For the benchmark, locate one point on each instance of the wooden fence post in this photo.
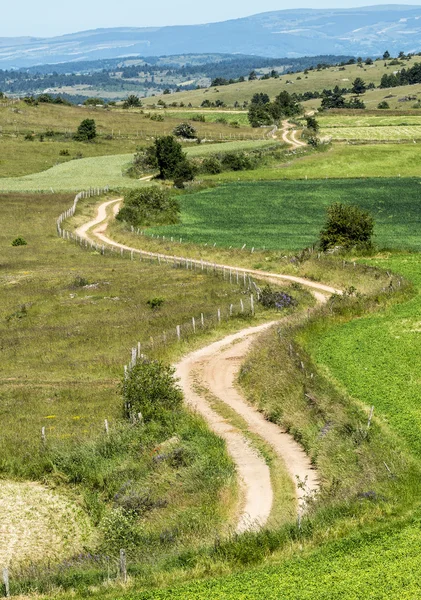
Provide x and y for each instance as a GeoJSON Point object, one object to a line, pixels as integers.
{"type": "Point", "coordinates": [123, 566]}
{"type": "Point", "coordinates": [6, 582]}
{"type": "Point", "coordinates": [202, 319]}
{"type": "Point", "coordinates": [219, 315]}
{"type": "Point", "coordinates": [193, 321]}
{"type": "Point", "coordinates": [106, 426]}
{"type": "Point", "coordinates": [252, 304]}
{"type": "Point", "coordinates": [178, 332]}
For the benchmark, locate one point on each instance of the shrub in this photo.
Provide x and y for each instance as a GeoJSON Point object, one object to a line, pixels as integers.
{"type": "Point", "coordinates": [19, 241]}
{"type": "Point", "coordinates": [29, 137]}
{"type": "Point", "coordinates": [86, 131]}
{"type": "Point", "coordinates": [199, 118]}
{"type": "Point", "coordinates": [184, 171]}
{"type": "Point", "coordinates": [270, 298]}
{"type": "Point", "coordinates": [64, 152]}
{"type": "Point", "coordinates": [211, 165]}
{"type": "Point", "coordinates": [150, 389]}
{"type": "Point", "coordinates": [155, 303]}
{"type": "Point", "coordinates": [383, 105]}
{"type": "Point", "coordinates": [346, 226]}
{"type": "Point", "coordinates": [185, 130]}
{"type": "Point", "coordinates": [149, 206]}
{"type": "Point", "coordinates": [236, 161]}
{"type": "Point", "coordinates": [118, 529]}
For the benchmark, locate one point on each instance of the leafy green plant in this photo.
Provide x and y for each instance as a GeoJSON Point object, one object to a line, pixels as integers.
{"type": "Point", "coordinates": [19, 241]}
{"type": "Point", "coordinates": [150, 389]}
{"type": "Point", "coordinates": [155, 303]}
{"type": "Point", "coordinates": [346, 226]}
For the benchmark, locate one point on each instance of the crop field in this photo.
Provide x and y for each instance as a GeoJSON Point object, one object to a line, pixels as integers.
{"type": "Point", "coordinates": [373, 133]}
{"type": "Point", "coordinates": [378, 357]}
{"type": "Point", "coordinates": [289, 215]}
{"type": "Point", "coordinates": [380, 119]}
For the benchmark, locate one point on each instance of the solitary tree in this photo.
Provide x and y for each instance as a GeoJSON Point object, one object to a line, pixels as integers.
{"type": "Point", "coordinates": [132, 101]}
{"type": "Point", "coordinates": [346, 226]}
{"type": "Point", "coordinates": [359, 86]}
{"type": "Point", "coordinates": [386, 55]}
{"type": "Point", "coordinates": [86, 131]}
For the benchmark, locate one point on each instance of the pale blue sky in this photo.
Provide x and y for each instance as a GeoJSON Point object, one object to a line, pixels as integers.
{"type": "Point", "coordinates": [52, 17]}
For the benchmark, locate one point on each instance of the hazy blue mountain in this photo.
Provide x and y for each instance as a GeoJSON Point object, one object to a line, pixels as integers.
{"type": "Point", "coordinates": [285, 33]}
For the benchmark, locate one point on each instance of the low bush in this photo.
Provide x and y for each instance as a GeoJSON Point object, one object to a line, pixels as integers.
{"type": "Point", "coordinates": [19, 241]}
{"type": "Point", "coordinates": [150, 389]}
{"type": "Point", "coordinates": [149, 206]}
{"type": "Point", "coordinates": [347, 226]}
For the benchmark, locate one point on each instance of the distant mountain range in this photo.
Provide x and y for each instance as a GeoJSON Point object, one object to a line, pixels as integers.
{"type": "Point", "coordinates": [367, 31]}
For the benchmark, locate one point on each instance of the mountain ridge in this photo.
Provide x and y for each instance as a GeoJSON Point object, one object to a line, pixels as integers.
{"type": "Point", "coordinates": [286, 33]}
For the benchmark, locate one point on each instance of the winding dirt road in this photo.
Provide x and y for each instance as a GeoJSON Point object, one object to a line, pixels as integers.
{"type": "Point", "coordinates": [289, 136]}
{"type": "Point", "coordinates": [215, 369]}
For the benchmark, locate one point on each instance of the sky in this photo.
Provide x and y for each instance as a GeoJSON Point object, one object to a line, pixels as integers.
{"type": "Point", "coordinates": [49, 17]}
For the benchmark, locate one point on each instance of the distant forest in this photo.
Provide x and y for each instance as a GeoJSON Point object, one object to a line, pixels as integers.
{"type": "Point", "coordinates": [151, 74]}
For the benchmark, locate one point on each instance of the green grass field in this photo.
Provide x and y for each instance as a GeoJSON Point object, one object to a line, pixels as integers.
{"type": "Point", "coordinates": [378, 358]}
{"type": "Point", "coordinates": [288, 215]}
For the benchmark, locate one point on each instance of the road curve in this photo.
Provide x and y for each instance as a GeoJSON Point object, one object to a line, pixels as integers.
{"type": "Point", "coordinates": [215, 368]}
{"type": "Point", "coordinates": [98, 225]}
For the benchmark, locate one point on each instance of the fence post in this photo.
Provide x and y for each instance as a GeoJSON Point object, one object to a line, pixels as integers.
{"type": "Point", "coordinates": [43, 436]}
{"type": "Point", "coordinates": [202, 319]}
{"type": "Point", "coordinates": [231, 307]}
{"type": "Point", "coordinates": [106, 426]}
{"type": "Point", "coordinates": [252, 304]}
{"type": "Point", "coordinates": [6, 582]}
{"type": "Point", "coordinates": [219, 315]}
{"type": "Point", "coordinates": [123, 566]}
{"type": "Point", "coordinates": [193, 321]}
{"type": "Point", "coordinates": [178, 332]}
{"type": "Point", "coordinates": [242, 306]}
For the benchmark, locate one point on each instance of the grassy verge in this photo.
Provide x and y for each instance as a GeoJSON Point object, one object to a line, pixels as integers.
{"type": "Point", "coordinates": [377, 358]}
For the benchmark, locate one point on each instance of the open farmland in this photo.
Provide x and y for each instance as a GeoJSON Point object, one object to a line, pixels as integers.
{"type": "Point", "coordinates": [289, 215]}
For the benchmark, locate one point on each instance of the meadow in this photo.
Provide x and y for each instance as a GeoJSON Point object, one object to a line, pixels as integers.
{"type": "Point", "coordinates": [288, 215]}
{"type": "Point", "coordinates": [97, 171]}
{"type": "Point", "coordinates": [68, 319]}
{"type": "Point", "coordinates": [316, 80]}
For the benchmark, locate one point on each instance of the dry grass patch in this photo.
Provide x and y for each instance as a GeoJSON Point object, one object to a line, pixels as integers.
{"type": "Point", "coordinates": [36, 523]}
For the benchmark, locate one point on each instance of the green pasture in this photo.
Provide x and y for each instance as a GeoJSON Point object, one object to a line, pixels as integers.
{"type": "Point", "coordinates": [100, 171]}
{"type": "Point", "coordinates": [378, 357]}
{"type": "Point", "coordinates": [288, 215]}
